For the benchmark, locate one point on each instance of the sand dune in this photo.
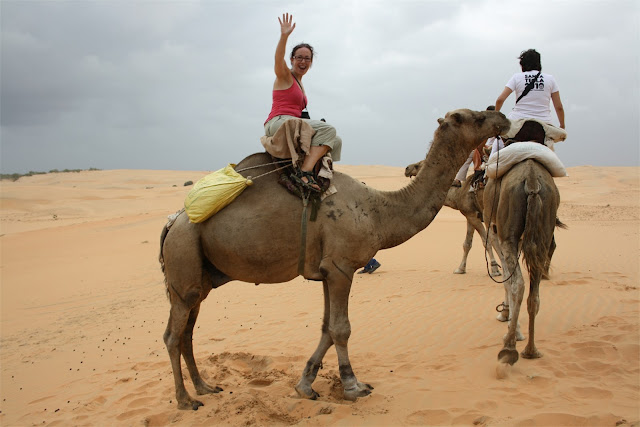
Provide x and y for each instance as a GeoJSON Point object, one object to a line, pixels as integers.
{"type": "Point", "coordinates": [83, 310]}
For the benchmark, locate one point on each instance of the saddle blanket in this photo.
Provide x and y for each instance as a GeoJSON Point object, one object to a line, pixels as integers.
{"type": "Point", "coordinates": [500, 162]}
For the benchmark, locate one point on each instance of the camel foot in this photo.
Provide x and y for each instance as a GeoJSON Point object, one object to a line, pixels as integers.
{"type": "Point", "coordinates": [360, 390]}
{"type": "Point", "coordinates": [306, 392]}
{"type": "Point", "coordinates": [459, 271]}
{"type": "Point", "coordinates": [205, 388]}
{"type": "Point", "coordinates": [519, 336]}
{"type": "Point", "coordinates": [508, 355]}
{"type": "Point", "coordinates": [190, 404]}
{"type": "Point", "coordinates": [531, 354]}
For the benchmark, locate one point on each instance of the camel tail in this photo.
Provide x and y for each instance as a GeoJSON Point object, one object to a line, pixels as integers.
{"type": "Point", "coordinates": [561, 224]}
{"type": "Point", "coordinates": [535, 238]}
{"type": "Point", "coordinates": [163, 235]}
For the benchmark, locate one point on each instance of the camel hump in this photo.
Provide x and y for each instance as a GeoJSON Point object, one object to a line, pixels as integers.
{"type": "Point", "coordinates": [532, 185]}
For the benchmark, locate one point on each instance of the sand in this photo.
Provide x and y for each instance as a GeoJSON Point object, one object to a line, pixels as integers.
{"type": "Point", "coordinates": [83, 310]}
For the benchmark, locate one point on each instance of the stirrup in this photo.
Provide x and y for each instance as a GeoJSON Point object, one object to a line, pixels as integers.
{"type": "Point", "coordinates": [311, 184]}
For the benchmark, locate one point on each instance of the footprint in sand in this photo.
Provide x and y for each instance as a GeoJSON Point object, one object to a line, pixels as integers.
{"type": "Point", "coordinates": [429, 417]}
{"type": "Point", "coordinates": [592, 393]}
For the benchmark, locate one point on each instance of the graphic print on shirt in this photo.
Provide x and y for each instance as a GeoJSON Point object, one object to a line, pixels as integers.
{"type": "Point", "coordinates": [538, 85]}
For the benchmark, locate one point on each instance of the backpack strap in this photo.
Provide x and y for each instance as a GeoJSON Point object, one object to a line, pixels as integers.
{"type": "Point", "coordinates": [528, 87]}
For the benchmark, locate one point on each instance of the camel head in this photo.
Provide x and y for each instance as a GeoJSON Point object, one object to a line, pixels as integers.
{"type": "Point", "coordinates": [412, 170]}
{"type": "Point", "coordinates": [477, 125]}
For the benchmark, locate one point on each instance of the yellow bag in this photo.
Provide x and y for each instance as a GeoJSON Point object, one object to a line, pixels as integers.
{"type": "Point", "coordinates": [214, 192]}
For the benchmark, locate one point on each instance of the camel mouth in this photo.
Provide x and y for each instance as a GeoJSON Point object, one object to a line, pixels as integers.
{"type": "Point", "coordinates": [504, 130]}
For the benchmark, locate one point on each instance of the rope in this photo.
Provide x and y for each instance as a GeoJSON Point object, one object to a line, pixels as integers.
{"type": "Point", "coordinates": [266, 164]}
{"type": "Point", "coordinates": [303, 235]}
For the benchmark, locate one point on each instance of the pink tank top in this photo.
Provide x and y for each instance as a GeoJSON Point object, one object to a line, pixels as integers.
{"type": "Point", "coordinates": [288, 102]}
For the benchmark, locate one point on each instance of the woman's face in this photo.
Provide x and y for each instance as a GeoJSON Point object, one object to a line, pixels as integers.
{"type": "Point", "coordinates": [301, 61]}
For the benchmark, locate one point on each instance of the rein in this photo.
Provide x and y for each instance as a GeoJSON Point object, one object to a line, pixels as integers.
{"type": "Point", "coordinates": [266, 164]}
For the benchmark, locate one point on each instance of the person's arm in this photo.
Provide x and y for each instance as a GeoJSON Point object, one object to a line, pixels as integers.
{"type": "Point", "coordinates": [557, 104]}
{"type": "Point", "coordinates": [502, 97]}
{"type": "Point", "coordinates": [283, 74]}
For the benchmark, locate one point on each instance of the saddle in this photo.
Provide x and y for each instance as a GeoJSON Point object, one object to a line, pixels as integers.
{"type": "Point", "coordinates": [288, 178]}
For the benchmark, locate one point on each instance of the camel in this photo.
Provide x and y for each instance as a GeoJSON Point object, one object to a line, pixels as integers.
{"type": "Point", "coordinates": [520, 209]}
{"type": "Point", "coordinates": [470, 205]}
{"type": "Point", "coordinates": [257, 239]}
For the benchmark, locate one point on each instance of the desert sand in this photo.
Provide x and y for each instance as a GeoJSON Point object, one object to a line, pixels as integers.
{"type": "Point", "coordinates": [83, 310]}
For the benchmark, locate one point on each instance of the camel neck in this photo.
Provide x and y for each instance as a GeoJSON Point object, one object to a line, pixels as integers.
{"type": "Point", "coordinates": [415, 206]}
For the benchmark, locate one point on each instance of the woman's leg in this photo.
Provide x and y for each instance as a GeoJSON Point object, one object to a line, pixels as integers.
{"type": "Point", "coordinates": [315, 154]}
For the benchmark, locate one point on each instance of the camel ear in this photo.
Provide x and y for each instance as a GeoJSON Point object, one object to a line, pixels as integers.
{"type": "Point", "coordinates": [480, 118]}
{"type": "Point", "coordinates": [440, 120]}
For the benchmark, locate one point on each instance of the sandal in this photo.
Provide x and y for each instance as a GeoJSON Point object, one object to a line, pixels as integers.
{"type": "Point", "coordinates": [456, 183]}
{"type": "Point", "coordinates": [310, 184]}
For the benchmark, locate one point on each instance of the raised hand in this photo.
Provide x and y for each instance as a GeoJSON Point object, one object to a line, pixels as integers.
{"type": "Point", "coordinates": [286, 24]}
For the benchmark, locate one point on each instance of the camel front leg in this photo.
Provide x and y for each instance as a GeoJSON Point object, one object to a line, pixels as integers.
{"type": "Point", "coordinates": [339, 286]}
{"type": "Point", "coordinates": [533, 306]}
{"type": "Point", "coordinates": [508, 354]}
{"type": "Point", "coordinates": [466, 247]}
{"type": "Point", "coordinates": [303, 388]}
{"type": "Point", "coordinates": [187, 352]}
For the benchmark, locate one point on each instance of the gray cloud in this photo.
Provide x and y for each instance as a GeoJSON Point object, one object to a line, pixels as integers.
{"type": "Point", "coordinates": [187, 85]}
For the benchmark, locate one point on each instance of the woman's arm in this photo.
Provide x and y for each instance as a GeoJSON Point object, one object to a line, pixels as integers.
{"type": "Point", "coordinates": [283, 74]}
{"type": "Point", "coordinates": [502, 97]}
{"type": "Point", "coordinates": [557, 104]}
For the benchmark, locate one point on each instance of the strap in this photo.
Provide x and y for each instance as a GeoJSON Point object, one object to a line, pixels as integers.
{"type": "Point", "coordinates": [303, 235]}
{"type": "Point", "coordinates": [527, 88]}
{"type": "Point", "coordinates": [297, 81]}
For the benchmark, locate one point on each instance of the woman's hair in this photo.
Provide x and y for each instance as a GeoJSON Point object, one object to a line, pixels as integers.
{"type": "Point", "coordinates": [298, 46]}
{"type": "Point", "coordinates": [530, 60]}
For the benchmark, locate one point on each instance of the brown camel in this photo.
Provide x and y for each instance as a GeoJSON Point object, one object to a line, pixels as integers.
{"type": "Point", "coordinates": [521, 210]}
{"type": "Point", "coordinates": [470, 205]}
{"type": "Point", "coordinates": [257, 239]}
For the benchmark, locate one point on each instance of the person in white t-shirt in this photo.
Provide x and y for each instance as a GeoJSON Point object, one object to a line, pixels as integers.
{"type": "Point", "coordinates": [535, 103]}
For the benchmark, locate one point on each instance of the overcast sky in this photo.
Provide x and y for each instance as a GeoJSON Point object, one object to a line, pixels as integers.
{"type": "Point", "coordinates": [186, 85]}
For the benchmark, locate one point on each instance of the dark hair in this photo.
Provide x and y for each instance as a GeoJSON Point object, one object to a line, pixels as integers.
{"type": "Point", "coordinates": [298, 46]}
{"type": "Point", "coordinates": [491, 108]}
{"type": "Point", "coordinates": [530, 60]}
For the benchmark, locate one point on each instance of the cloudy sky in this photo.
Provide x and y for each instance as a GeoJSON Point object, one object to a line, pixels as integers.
{"type": "Point", "coordinates": [186, 85]}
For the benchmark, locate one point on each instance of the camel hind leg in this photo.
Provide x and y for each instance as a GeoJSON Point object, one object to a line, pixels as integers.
{"type": "Point", "coordinates": [533, 306]}
{"type": "Point", "coordinates": [186, 347]}
{"type": "Point", "coordinates": [188, 284]}
{"type": "Point", "coordinates": [547, 267]}
{"type": "Point", "coordinates": [509, 354]}
{"type": "Point", "coordinates": [173, 339]}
